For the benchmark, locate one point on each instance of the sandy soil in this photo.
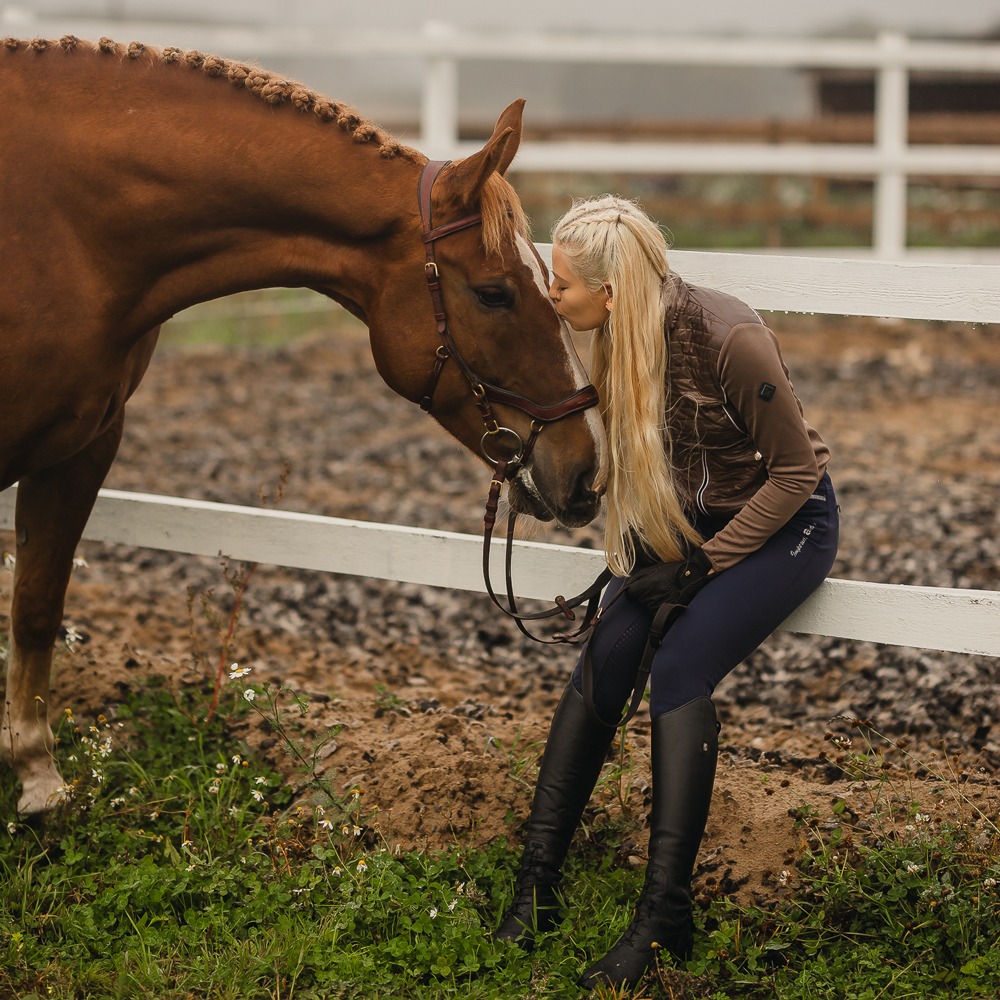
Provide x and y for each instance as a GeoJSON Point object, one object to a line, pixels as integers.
{"type": "Point", "coordinates": [443, 705]}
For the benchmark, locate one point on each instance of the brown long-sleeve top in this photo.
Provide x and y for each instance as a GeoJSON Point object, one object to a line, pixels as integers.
{"type": "Point", "coordinates": [738, 442]}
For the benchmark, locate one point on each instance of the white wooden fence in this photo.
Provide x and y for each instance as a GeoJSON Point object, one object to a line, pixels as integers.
{"type": "Point", "coordinates": [961, 621]}
{"type": "Point", "coordinates": [890, 159]}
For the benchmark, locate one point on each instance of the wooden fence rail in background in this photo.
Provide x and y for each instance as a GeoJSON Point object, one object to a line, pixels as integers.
{"type": "Point", "coordinates": [965, 621]}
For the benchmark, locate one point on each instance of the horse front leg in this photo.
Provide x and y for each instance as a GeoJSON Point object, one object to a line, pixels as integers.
{"type": "Point", "coordinates": [52, 510]}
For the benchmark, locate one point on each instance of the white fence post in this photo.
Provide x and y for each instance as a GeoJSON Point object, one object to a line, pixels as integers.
{"type": "Point", "coordinates": [891, 138]}
{"type": "Point", "coordinates": [439, 102]}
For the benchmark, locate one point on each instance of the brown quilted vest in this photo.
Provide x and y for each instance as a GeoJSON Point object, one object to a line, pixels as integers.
{"type": "Point", "coordinates": [716, 465]}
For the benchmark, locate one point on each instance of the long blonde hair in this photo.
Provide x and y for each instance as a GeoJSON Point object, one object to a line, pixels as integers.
{"type": "Point", "coordinates": [610, 241]}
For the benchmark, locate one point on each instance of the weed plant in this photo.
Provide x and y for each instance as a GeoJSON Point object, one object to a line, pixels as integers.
{"type": "Point", "coordinates": [181, 867]}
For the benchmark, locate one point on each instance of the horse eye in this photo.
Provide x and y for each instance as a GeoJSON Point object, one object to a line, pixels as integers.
{"type": "Point", "coordinates": [495, 297]}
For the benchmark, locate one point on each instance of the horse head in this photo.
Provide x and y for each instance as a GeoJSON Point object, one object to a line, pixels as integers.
{"type": "Point", "coordinates": [489, 350]}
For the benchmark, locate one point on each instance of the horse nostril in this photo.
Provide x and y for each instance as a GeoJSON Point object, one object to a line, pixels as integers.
{"type": "Point", "coordinates": [590, 485]}
{"type": "Point", "coordinates": [587, 492]}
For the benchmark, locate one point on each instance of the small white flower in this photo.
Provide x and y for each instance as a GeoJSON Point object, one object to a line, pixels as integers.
{"type": "Point", "coordinates": [80, 563]}
{"type": "Point", "coordinates": [249, 694]}
{"type": "Point", "coordinates": [989, 883]}
{"type": "Point", "coordinates": [922, 818]}
{"type": "Point", "coordinates": [362, 867]}
{"type": "Point", "coordinates": [260, 781]}
{"type": "Point", "coordinates": [8, 561]}
{"type": "Point", "coordinates": [783, 878]}
{"type": "Point", "coordinates": [452, 904]}
{"type": "Point", "coordinates": [433, 912]}
{"type": "Point", "coordinates": [358, 831]}
{"type": "Point", "coordinates": [259, 796]}
{"type": "Point", "coordinates": [220, 768]}
{"type": "Point", "coordinates": [326, 824]}
{"type": "Point", "coordinates": [912, 868]}
{"type": "Point", "coordinates": [236, 758]}
{"type": "Point", "coordinates": [236, 671]}
{"type": "Point", "coordinates": [11, 827]}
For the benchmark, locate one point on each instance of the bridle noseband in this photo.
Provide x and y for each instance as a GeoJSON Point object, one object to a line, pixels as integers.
{"type": "Point", "coordinates": [486, 396]}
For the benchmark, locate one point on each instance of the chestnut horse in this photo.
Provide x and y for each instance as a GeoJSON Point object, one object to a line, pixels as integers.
{"type": "Point", "coordinates": [136, 182]}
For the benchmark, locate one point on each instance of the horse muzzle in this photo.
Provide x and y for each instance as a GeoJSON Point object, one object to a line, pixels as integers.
{"type": "Point", "coordinates": [573, 505]}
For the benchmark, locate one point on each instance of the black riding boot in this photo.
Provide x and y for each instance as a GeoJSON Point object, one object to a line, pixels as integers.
{"type": "Point", "coordinates": [685, 748]}
{"type": "Point", "coordinates": [574, 753]}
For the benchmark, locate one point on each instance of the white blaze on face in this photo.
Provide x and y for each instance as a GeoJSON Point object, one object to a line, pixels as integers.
{"type": "Point", "coordinates": [573, 362]}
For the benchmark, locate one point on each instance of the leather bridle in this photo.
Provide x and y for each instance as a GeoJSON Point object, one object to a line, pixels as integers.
{"type": "Point", "coordinates": [486, 395]}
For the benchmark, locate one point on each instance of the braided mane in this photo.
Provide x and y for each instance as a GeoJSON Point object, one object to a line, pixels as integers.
{"type": "Point", "coordinates": [266, 86]}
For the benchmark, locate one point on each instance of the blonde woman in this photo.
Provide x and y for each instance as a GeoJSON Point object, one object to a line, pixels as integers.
{"type": "Point", "coordinates": [714, 472]}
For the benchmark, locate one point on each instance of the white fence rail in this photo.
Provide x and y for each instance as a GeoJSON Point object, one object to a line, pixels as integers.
{"type": "Point", "coordinates": [953, 620]}
{"type": "Point", "coordinates": [889, 160]}
{"type": "Point", "coordinates": [963, 621]}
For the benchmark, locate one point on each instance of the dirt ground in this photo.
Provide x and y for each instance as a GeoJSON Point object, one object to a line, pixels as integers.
{"type": "Point", "coordinates": [443, 705]}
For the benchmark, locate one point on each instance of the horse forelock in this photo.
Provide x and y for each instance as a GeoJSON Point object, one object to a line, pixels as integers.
{"type": "Point", "coordinates": [266, 86]}
{"type": "Point", "coordinates": [503, 215]}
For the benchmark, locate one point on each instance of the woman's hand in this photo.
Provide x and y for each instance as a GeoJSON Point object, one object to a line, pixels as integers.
{"type": "Point", "coordinates": [670, 583]}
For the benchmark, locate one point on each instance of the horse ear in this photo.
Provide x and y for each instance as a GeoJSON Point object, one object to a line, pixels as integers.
{"type": "Point", "coordinates": [468, 176]}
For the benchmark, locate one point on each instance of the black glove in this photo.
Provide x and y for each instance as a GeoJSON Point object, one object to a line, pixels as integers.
{"type": "Point", "coordinates": [670, 583]}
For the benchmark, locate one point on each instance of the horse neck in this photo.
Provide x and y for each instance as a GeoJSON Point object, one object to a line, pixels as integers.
{"type": "Point", "coordinates": [186, 188]}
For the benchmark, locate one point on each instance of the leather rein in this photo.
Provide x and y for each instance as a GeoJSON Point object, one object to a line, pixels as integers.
{"type": "Point", "coordinates": [485, 396]}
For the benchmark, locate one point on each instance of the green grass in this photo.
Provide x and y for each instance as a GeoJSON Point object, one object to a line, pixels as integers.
{"type": "Point", "coordinates": [181, 868]}
{"type": "Point", "coordinates": [266, 318]}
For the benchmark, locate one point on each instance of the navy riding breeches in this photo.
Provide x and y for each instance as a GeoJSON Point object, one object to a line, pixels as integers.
{"type": "Point", "coordinates": [724, 623]}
